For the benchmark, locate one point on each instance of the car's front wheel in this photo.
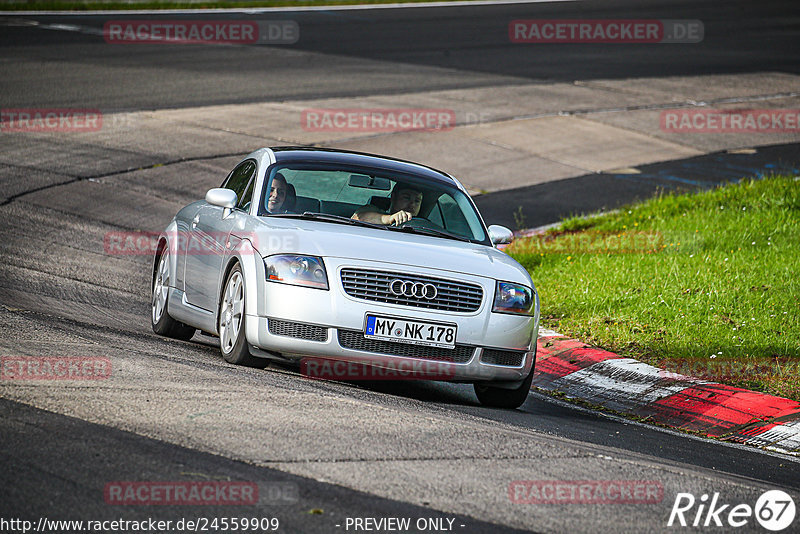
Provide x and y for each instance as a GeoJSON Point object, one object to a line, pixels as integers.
{"type": "Point", "coordinates": [230, 323]}
{"type": "Point", "coordinates": [496, 397]}
{"type": "Point", "coordinates": [160, 320]}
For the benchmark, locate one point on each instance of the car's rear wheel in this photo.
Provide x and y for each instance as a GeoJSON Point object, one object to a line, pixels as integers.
{"type": "Point", "coordinates": [231, 321]}
{"type": "Point", "coordinates": [496, 397]}
{"type": "Point", "coordinates": [160, 320]}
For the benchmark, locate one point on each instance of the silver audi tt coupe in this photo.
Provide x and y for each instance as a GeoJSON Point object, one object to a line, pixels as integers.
{"type": "Point", "coordinates": [354, 261]}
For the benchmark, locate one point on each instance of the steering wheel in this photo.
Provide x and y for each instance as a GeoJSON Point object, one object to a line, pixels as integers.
{"type": "Point", "coordinates": [416, 222]}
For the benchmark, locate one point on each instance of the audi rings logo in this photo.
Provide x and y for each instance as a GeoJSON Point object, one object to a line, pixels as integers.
{"type": "Point", "coordinates": [413, 289]}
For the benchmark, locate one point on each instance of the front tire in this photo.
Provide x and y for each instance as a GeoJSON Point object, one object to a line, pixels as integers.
{"type": "Point", "coordinates": [231, 321]}
{"type": "Point", "coordinates": [160, 320]}
{"type": "Point", "coordinates": [511, 399]}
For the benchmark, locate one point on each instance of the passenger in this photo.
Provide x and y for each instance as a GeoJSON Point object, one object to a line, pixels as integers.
{"type": "Point", "coordinates": [278, 191]}
{"type": "Point", "coordinates": [405, 204]}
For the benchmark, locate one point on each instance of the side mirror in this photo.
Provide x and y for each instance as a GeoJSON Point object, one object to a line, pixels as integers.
{"type": "Point", "coordinates": [500, 235]}
{"type": "Point", "coordinates": [224, 198]}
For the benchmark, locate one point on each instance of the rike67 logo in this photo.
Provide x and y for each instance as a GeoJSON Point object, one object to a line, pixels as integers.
{"type": "Point", "coordinates": [774, 510]}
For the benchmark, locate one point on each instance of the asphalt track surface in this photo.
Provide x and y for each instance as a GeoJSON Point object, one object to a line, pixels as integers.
{"type": "Point", "coordinates": [405, 50]}
{"type": "Point", "coordinates": [177, 411]}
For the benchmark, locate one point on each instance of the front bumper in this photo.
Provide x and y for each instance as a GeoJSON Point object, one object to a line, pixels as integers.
{"type": "Point", "coordinates": [329, 324]}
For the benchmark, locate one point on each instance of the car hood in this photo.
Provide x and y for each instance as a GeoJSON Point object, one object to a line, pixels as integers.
{"type": "Point", "coordinates": [318, 238]}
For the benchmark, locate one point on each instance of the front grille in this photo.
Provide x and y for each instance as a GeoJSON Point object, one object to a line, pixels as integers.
{"type": "Point", "coordinates": [355, 340]}
{"type": "Point", "coordinates": [512, 358]}
{"type": "Point", "coordinates": [374, 285]}
{"type": "Point", "coordinates": [298, 330]}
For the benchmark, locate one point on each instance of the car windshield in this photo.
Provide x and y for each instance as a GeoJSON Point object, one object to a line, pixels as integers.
{"type": "Point", "coordinates": [438, 209]}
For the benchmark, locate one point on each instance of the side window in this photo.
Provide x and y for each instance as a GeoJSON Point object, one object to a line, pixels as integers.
{"type": "Point", "coordinates": [241, 182]}
{"type": "Point", "coordinates": [435, 216]}
{"type": "Point", "coordinates": [244, 200]}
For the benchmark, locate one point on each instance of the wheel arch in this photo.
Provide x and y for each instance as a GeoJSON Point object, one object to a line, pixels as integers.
{"type": "Point", "coordinates": [168, 239]}
{"type": "Point", "coordinates": [249, 260]}
{"type": "Point", "coordinates": [160, 246]}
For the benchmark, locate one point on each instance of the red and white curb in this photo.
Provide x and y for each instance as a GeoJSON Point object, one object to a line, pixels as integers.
{"type": "Point", "coordinates": [628, 386]}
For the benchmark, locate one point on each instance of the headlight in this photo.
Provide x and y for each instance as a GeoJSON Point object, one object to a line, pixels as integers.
{"type": "Point", "coordinates": [308, 271]}
{"type": "Point", "coordinates": [513, 298]}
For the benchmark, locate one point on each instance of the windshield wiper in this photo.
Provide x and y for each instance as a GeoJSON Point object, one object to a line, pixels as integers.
{"type": "Point", "coordinates": [429, 231]}
{"type": "Point", "coordinates": [327, 217]}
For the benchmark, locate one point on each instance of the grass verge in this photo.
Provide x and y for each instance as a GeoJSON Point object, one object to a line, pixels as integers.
{"type": "Point", "coordinates": [702, 284]}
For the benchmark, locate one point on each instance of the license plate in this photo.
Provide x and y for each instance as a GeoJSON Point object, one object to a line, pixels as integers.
{"type": "Point", "coordinates": [412, 332]}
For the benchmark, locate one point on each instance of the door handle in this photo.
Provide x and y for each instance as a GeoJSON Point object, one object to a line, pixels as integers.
{"type": "Point", "coordinates": [195, 221]}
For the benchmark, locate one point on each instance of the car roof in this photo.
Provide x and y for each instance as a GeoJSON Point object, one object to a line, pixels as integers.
{"type": "Point", "coordinates": [293, 154]}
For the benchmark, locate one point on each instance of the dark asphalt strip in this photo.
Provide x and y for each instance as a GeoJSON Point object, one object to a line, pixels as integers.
{"type": "Point", "coordinates": [57, 467]}
{"type": "Point", "coordinates": [550, 202]}
{"type": "Point", "coordinates": [447, 47]}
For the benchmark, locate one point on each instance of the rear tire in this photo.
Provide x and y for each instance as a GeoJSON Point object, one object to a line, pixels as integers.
{"type": "Point", "coordinates": [231, 321]}
{"type": "Point", "coordinates": [495, 397]}
{"type": "Point", "coordinates": [160, 320]}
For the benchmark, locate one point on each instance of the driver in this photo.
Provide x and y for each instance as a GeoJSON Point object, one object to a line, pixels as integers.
{"type": "Point", "coordinates": [405, 204]}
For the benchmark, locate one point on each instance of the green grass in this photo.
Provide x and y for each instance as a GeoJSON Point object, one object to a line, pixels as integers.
{"type": "Point", "coordinates": [91, 5]}
{"type": "Point", "coordinates": [704, 284]}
